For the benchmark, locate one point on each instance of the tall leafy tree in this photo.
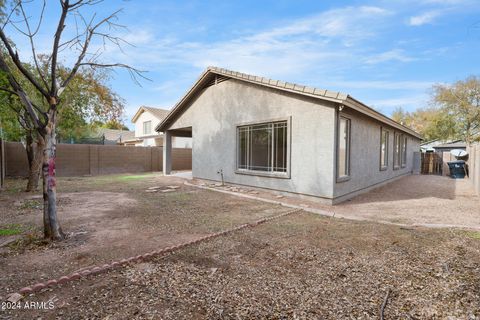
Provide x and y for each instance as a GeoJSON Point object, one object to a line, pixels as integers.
{"type": "Point", "coordinates": [431, 122]}
{"type": "Point", "coordinates": [461, 101]}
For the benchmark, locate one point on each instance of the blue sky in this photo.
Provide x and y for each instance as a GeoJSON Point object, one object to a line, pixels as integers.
{"type": "Point", "coordinates": [384, 53]}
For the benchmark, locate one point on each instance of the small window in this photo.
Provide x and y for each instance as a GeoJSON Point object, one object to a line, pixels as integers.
{"type": "Point", "coordinates": [404, 151]}
{"type": "Point", "coordinates": [383, 149]}
{"type": "Point", "coordinates": [343, 148]}
{"type": "Point", "coordinates": [147, 127]}
{"type": "Point", "coordinates": [262, 147]}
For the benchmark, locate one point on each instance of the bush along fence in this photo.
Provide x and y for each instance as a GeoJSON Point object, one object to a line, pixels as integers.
{"type": "Point", "coordinates": [474, 165]}
{"type": "Point", "coordinates": [83, 159]}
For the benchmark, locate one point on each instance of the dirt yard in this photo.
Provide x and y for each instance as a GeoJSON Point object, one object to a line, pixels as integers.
{"type": "Point", "coordinates": [304, 266]}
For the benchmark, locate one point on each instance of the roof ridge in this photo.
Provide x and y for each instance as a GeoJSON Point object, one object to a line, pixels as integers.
{"type": "Point", "coordinates": [280, 84]}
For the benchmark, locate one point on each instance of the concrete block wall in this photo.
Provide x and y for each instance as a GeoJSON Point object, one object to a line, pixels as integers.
{"type": "Point", "coordinates": [81, 159]}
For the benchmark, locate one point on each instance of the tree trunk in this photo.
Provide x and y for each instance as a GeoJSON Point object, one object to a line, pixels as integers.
{"type": "Point", "coordinates": [35, 156]}
{"type": "Point", "coordinates": [52, 229]}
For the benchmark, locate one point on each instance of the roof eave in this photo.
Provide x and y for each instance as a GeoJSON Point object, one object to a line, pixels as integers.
{"type": "Point", "coordinates": [361, 107]}
{"type": "Point", "coordinates": [162, 125]}
{"type": "Point", "coordinates": [137, 114]}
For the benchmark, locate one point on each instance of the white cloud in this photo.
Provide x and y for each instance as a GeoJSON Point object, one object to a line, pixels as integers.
{"type": "Point", "coordinates": [388, 56]}
{"type": "Point", "coordinates": [329, 40]}
{"type": "Point", "coordinates": [425, 18]}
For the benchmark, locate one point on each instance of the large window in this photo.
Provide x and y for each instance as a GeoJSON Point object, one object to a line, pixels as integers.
{"type": "Point", "coordinates": [263, 147]}
{"type": "Point", "coordinates": [147, 127]}
{"type": "Point", "coordinates": [343, 148]}
{"type": "Point", "coordinates": [404, 151]}
{"type": "Point", "coordinates": [383, 149]}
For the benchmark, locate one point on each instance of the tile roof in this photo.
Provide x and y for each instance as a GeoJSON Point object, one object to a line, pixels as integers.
{"type": "Point", "coordinates": [160, 114]}
{"type": "Point", "coordinates": [281, 84]}
{"type": "Point", "coordinates": [452, 144]}
{"type": "Point", "coordinates": [115, 135]}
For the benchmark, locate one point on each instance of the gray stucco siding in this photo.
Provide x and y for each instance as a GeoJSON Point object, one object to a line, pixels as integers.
{"type": "Point", "coordinates": [365, 155]}
{"type": "Point", "coordinates": [218, 110]}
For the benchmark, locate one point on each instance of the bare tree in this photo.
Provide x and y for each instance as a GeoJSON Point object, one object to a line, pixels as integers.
{"type": "Point", "coordinates": [50, 84]}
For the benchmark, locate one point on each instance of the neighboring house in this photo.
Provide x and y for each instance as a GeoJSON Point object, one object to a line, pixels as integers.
{"type": "Point", "coordinates": [428, 146]}
{"type": "Point", "coordinates": [287, 137]}
{"type": "Point", "coordinates": [145, 120]}
{"type": "Point", "coordinates": [442, 145]}
{"type": "Point", "coordinates": [102, 136]}
{"type": "Point", "coordinates": [452, 145]}
{"type": "Point", "coordinates": [112, 136]}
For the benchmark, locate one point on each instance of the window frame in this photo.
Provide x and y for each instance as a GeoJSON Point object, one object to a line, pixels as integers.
{"type": "Point", "coordinates": [384, 166]}
{"type": "Point", "coordinates": [144, 123]}
{"type": "Point", "coordinates": [348, 149]}
{"type": "Point", "coordinates": [271, 174]}
{"type": "Point", "coordinates": [404, 150]}
{"type": "Point", "coordinates": [397, 157]}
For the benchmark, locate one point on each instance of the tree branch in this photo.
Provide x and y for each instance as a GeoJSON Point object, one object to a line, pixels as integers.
{"type": "Point", "coordinates": [56, 42]}
{"type": "Point", "coordinates": [90, 33]}
{"type": "Point", "coordinates": [21, 95]}
{"type": "Point", "coordinates": [16, 60]}
{"type": "Point", "coordinates": [30, 36]}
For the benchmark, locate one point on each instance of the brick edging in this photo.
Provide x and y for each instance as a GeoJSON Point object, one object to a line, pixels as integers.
{"type": "Point", "coordinates": [147, 256]}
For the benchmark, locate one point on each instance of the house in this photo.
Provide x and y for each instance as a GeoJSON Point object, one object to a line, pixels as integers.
{"type": "Point", "coordinates": [442, 145]}
{"type": "Point", "coordinates": [113, 136]}
{"type": "Point", "coordinates": [428, 146]}
{"type": "Point", "coordinates": [145, 120]}
{"type": "Point", "coordinates": [287, 137]}
{"type": "Point", "coordinates": [102, 136]}
{"type": "Point", "coordinates": [451, 145]}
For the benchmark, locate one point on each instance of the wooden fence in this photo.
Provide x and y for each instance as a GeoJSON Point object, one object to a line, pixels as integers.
{"type": "Point", "coordinates": [82, 159]}
{"type": "Point", "coordinates": [474, 166]}
{"type": "Point", "coordinates": [432, 163]}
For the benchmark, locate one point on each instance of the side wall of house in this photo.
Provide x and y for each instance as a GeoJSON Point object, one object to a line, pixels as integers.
{"type": "Point", "coordinates": [365, 170]}
{"type": "Point", "coordinates": [219, 109]}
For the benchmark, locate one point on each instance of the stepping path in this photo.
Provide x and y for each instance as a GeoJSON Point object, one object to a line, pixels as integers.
{"type": "Point", "coordinates": [16, 296]}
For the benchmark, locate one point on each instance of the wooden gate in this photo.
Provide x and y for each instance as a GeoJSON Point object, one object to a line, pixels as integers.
{"type": "Point", "coordinates": [432, 163]}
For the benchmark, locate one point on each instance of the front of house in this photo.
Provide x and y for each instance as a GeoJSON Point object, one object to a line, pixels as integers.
{"type": "Point", "coordinates": [270, 134]}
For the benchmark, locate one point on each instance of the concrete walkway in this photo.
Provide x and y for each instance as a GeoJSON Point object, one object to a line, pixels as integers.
{"type": "Point", "coordinates": [417, 200]}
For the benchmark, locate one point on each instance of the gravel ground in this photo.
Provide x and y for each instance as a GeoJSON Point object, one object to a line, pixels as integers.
{"type": "Point", "coordinates": [421, 200]}
{"type": "Point", "coordinates": [300, 267]}
{"type": "Point", "coordinates": [109, 218]}
{"type": "Point", "coordinates": [303, 266]}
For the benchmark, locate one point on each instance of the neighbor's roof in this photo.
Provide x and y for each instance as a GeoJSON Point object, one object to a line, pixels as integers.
{"type": "Point", "coordinates": [453, 144]}
{"type": "Point", "coordinates": [157, 112]}
{"type": "Point", "coordinates": [115, 135]}
{"type": "Point", "coordinates": [213, 75]}
{"type": "Point", "coordinates": [429, 142]}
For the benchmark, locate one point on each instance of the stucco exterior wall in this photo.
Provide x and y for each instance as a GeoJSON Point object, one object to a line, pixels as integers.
{"type": "Point", "coordinates": [365, 156]}
{"type": "Point", "coordinates": [219, 109]}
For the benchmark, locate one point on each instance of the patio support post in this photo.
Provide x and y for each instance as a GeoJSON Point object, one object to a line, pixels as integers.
{"type": "Point", "coordinates": [167, 153]}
